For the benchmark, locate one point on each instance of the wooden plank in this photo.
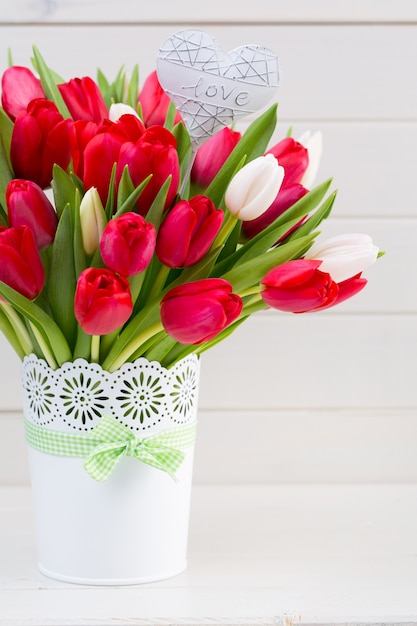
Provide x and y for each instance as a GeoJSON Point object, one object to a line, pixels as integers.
{"type": "Point", "coordinates": [276, 446]}
{"type": "Point", "coordinates": [329, 72]}
{"type": "Point", "coordinates": [217, 11]}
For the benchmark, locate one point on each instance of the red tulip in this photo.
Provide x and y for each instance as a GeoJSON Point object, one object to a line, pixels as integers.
{"type": "Point", "coordinates": [298, 286]}
{"type": "Point", "coordinates": [211, 156]}
{"type": "Point", "coordinates": [20, 264]}
{"type": "Point", "coordinates": [154, 153]}
{"type": "Point", "coordinates": [102, 301]}
{"type": "Point", "coordinates": [349, 288]}
{"type": "Point", "coordinates": [100, 155]}
{"type": "Point", "coordinates": [154, 102]}
{"type": "Point", "coordinates": [293, 157]}
{"type": "Point", "coordinates": [188, 231]}
{"type": "Point", "coordinates": [196, 312]}
{"type": "Point", "coordinates": [19, 87]}
{"type": "Point", "coordinates": [40, 138]}
{"type": "Point", "coordinates": [84, 99]}
{"type": "Point", "coordinates": [28, 205]}
{"type": "Point", "coordinates": [81, 133]}
{"type": "Point", "coordinates": [127, 244]}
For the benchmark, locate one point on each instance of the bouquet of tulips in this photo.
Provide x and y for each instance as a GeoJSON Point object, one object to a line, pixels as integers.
{"type": "Point", "coordinates": [118, 240]}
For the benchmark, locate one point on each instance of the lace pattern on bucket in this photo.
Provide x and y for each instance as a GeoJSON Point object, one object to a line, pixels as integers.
{"type": "Point", "coordinates": [143, 395]}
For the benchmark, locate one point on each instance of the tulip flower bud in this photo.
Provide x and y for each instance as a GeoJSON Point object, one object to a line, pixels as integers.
{"type": "Point", "coordinates": [102, 302]}
{"type": "Point", "coordinates": [20, 264]}
{"type": "Point", "coordinates": [84, 99]}
{"type": "Point", "coordinates": [211, 156]}
{"type": "Point", "coordinates": [154, 102]}
{"type": "Point", "coordinates": [298, 286]}
{"type": "Point", "coordinates": [188, 231]}
{"type": "Point", "coordinates": [40, 139]}
{"type": "Point", "coordinates": [117, 109]}
{"type": "Point", "coordinates": [293, 157]}
{"type": "Point", "coordinates": [313, 142]}
{"type": "Point", "coordinates": [253, 189]}
{"type": "Point", "coordinates": [19, 86]}
{"type": "Point", "coordinates": [28, 205]}
{"type": "Point", "coordinates": [196, 312]}
{"type": "Point", "coordinates": [344, 256]}
{"type": "Point", "coordinates": [93, 220]}
{"type": "Point", "coordinates": [127, 244]}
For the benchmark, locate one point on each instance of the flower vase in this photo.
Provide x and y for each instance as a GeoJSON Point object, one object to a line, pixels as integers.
{"type": "Point", "coordinates": [110, 457]}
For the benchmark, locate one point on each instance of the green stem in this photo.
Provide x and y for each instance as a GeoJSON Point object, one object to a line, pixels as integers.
{"type": "Point", "coordinates": [18, 327]}
{"type": "Point", "coordinates": [136, 282]}
{"type": "Point", "coordinates": [255, 290]}
{"type": "Point", "coordinates": [159, 282]}
{"type": "Point", "coordinates": [133, 346]}
{"type": "Point", "coordinates": [95, 348]}
{"type": "Point", "coordinates": [228, 225]}
{"type": "Point", "coordinates": [46, 351]}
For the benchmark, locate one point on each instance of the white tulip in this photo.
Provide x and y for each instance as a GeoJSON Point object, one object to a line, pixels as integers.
{"type": "Point", "coordinates": [254, 188]}
{"type": "Point", "coordinates": [118, 109]}
{"type": "Point", "coordinates": [92, 219]}
{"type": "Point", "coordinates": [344, 256]}
{"type": "Point", "coordinates": [313, 142]}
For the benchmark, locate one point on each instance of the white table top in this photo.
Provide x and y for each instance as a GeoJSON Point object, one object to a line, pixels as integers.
{"type": "Point", "coordinates": [257, 555]}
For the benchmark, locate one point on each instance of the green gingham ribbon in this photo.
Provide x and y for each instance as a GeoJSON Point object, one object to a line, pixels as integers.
{"type": "Point", "coordinates": [103, 446]}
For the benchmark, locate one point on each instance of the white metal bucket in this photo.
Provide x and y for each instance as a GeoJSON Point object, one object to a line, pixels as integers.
{"type": "Point", "coordinates": [133, 527]}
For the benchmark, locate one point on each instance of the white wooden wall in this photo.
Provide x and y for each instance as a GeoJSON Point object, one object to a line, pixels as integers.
{"type": "Point", "coordinates": [328, 397]}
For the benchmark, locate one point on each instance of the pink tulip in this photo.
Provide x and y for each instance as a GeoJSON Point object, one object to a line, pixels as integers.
{"type": "Point", "coordinates": [40, 138]}
{"type": "Point", "coordinates": [84, 99]}
{"type": "Point", "coordinates": [298, 286]}
{"type": "Point", "coordinates": [154, 102]}
{"type": "Point", "coordinates": [196, 312]}
{"type": "Point", "coordinates": [19, 87]}
{"type": "Point", "coordinates": [188, 231]}
{"type": "Point", "coordinates": [28, 205]}
{"type": "Point", "coordinates": [127, 244]}
{"type": "Point", "coordinates": [103, 301]}
{"type": "Point", "coordinates": [20, 264]}
{"type": "Point", "coordinates": [211, 156]}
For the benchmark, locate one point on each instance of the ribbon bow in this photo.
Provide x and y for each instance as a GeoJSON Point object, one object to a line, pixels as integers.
{"type": "Point", "coordinates": [117, 441]}
{"type": "Point", "coordinates": [103, 447]}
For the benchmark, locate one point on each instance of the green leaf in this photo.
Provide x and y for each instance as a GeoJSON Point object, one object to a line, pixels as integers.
{"type": "Point", "coordinates": [251, 272]}
{"type": "Point", "coordinates": [49, 80]}
{"type": "Point", "coordinates": [43, 322]}
{"type": "Point", "coordinates": [130, 202]}
{"type": "Point", "coordinates": [133, 88]}
{"type": "Point", "coordinates": [252, 144]}
{"type": "Point", "coordinates": [315, 220]}
{"type": "Point", "coordinates": [156, 210]}
{"type": "Point", "coordinates": [80, 259]}
{"type": "Point", "coordinates": [6, 132]}
{"type": "Point", "coordinates": [64, 187]}
{"type": "Point", "coordinates": [126, 187]}
{"type": "Point", "coordinates": [6, 176]}
{"type": "Point", "coordinates": [62, 278]}
{"type": "Point", "coordinates": [109, 209]}
{"type": "Point", "coordinates": [8, 331]}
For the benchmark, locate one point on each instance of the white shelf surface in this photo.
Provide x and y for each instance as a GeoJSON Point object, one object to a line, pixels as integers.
{"type": "Point", "coordinates": [293, 554]}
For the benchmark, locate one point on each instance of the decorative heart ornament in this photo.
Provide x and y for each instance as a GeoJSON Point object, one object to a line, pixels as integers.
{"type": "Point", "coordinates": [210, 88]}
